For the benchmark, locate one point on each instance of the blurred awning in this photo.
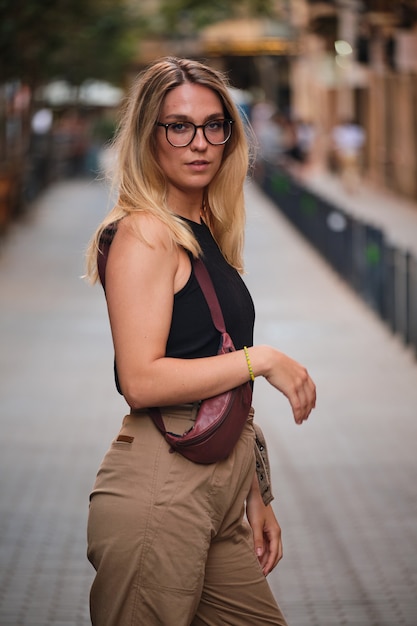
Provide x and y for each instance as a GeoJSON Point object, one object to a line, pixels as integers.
{"type": "Point", "coordinates": [90, 93]}
{"type": "Point", "coordinates": [247, 37]}
{"type": "Point", "coordinates": [57, 93]}
{"type": "Point", "coordinates": [99, 93]}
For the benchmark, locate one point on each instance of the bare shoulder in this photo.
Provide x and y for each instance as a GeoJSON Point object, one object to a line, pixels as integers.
{"type": "Point", "coordinates": [143, 246]}
{"type": "Point", "coordinates": [145, 228]}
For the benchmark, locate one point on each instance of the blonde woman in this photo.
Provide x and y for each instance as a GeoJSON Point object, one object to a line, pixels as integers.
{"type": "Point", "coordinates": [169, 538]}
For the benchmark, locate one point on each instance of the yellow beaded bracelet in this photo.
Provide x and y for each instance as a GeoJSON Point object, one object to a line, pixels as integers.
{"type": "Point", "coordinates": [251, 374]}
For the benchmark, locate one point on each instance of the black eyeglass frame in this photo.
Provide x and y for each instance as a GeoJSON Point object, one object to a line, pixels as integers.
{"type": "Point", "coordinates": [196, 126]}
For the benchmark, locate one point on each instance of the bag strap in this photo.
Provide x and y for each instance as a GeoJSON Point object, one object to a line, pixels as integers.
{"type": "Point", "coordinates": [207, 287]}
{"type": "Point", "coordinates": [206, 284]}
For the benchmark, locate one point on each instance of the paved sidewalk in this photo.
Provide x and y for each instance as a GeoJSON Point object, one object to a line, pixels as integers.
{"type": "Point", "coordinates": [344, 482]}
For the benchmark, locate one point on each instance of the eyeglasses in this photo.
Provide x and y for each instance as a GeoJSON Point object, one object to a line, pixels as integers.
{"type": "Point", "coordinates": [181, 134]}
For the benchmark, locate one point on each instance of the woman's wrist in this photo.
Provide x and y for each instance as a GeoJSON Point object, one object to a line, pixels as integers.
{"type": "Point", "coordinates": [249, 363]}
{"type": "Point", "coordinates": [261, 358]}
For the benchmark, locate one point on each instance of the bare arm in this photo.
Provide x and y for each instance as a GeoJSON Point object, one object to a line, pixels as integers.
{"type": "Point", "coordinates": [140, 284]}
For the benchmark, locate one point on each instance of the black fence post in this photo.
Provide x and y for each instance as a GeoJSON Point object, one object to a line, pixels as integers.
{"type": "Point", "coordinates": [389, 308]}
{"type": "Point", "coordinates": [412, 302]}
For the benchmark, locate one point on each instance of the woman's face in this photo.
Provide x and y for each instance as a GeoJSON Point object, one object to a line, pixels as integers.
{"type": "Point", "coordinates": [191, 168]}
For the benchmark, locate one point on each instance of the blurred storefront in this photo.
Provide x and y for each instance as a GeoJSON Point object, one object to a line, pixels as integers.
{"type": "Point", "coordinates": [255, 51]}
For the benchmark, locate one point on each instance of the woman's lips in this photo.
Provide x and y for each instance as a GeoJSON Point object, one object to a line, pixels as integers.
{"type": "Point", "coordinates": [199, 165]}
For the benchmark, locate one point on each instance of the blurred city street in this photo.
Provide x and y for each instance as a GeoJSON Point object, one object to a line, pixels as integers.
{"type": "Point", "coordinates": [344, 482]}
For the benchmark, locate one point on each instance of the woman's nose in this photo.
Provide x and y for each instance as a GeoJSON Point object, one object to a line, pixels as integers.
{"type": "Point", "coordinates": [199, 141]}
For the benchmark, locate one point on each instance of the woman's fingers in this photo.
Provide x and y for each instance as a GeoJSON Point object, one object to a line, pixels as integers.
{"type": "Point", "coordinates": [303, 398]}
{"type": "Point", "coordinates": [294, 381]}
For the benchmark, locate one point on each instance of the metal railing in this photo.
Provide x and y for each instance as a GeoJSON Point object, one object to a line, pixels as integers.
{"type": "Point", "coordinates": [383, 275]}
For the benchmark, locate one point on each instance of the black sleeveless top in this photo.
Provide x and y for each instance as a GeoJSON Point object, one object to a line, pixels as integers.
{"type": "Point", "coordinates": [192, 333]}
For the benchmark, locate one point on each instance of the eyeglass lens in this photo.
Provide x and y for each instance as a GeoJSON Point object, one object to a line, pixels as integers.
{"type": "Point", "coordinates": [216, 132]}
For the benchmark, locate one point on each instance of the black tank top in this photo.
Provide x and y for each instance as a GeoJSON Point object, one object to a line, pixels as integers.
{"type": "Point", "coordinates": [192, 333]}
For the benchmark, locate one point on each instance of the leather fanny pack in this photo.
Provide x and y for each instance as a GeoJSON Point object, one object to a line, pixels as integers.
{"type": "Point", "coordinates": [220, 419]}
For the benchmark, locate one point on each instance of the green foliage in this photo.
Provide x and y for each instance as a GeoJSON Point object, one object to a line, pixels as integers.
{"type": "Point", "coordinates": [186, 16]}
{"type": "Point", "coordinates": [69, 39]}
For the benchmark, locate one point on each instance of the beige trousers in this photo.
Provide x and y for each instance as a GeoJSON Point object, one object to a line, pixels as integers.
{"type": "Point", "coordinates": [168, 538]}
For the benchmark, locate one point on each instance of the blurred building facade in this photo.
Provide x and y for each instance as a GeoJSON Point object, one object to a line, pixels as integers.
{"type": "Point", "coordinates": [357, 59]}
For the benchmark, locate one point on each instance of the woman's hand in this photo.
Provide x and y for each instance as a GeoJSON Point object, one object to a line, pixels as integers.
{"type": "Point", "coordinates": [265, 528]}
{"type": "Point", "coordinates": [288, 376]}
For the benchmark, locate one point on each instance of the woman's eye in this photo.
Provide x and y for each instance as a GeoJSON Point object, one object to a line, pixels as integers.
{"type": "Point", "coordinates": [214, 125]}
{"type": "Point", "coordinates": [180, 127]}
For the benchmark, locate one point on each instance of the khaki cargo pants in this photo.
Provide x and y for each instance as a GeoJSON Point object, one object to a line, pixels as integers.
{"type": "Point", "coordinates": [168, 538]}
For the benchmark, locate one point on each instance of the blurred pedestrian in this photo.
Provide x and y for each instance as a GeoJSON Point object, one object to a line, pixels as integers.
{"type": "Point", "coordinates": [267, 124]}
{"type": "Point", "coordinates": [72, 143]}
{"type": "Point", "coordinates": [348, 140]}
{"type": "Point", "coordinates": [306, 135]}
{"type": "Point", "coordinates": [167, 536]}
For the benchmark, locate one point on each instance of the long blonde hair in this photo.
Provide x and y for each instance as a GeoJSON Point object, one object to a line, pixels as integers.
{"type": "Point", "coordinates": [140, 181]}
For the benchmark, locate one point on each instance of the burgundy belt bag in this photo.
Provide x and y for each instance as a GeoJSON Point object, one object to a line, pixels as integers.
{"type": "Point", "coordinates": [220, 419]}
